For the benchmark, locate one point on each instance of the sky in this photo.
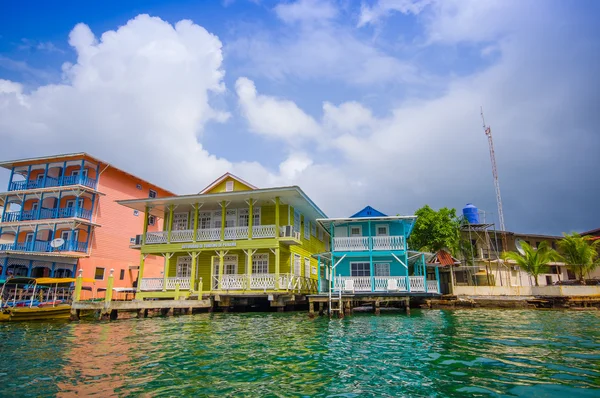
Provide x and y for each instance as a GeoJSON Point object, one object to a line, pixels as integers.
{"type": "Point", "coordinates": [372, 102]}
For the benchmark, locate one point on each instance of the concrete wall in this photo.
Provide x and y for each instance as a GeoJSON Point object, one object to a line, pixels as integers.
{"type": "Point", "coordinates": [527, 291]}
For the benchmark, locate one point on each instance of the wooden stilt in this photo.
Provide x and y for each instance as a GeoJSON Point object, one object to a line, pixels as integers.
{"type": "Point", "coordinates": [321, 309]}
{"type": "Point", "coordinates": [114, 314]}
{"type": "Point", "coordinates": [311, 309]}
{"type": "Point", "coordinates": [376, 307]}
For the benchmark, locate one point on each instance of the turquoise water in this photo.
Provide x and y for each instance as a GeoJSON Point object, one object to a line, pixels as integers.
{"type": "Point", "coordinates": [429, 353]}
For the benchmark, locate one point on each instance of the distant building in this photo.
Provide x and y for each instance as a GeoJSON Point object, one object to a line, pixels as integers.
{"type": "Point", "coordinates": [60, 215]}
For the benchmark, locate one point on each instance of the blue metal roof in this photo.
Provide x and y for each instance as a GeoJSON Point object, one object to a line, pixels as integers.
{"type": "Point", "coordinates": [368, 212]}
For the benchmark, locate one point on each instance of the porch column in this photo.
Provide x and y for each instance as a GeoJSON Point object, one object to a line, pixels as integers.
{"type": "Point", "coordinates": [145, 231]}
{"type": "Point", "coordinates": [166, 271]}
{"type": "Point", "coordinates": [424, 272]}
{"type": "Point", "coordinates": [277, 256]}
{"type": "Point", "coordinates": [331, 272]}
{"type": "Point", "coordinates": [250, 254]}
{"type": "Point", "coordinates": [28, 176]}
{"type": "Point", "coordinates": [22, 207]}
{"type": "Point", "coordinates": [140, 273]}
{"type": "Point", "coordinates": [221, 263]}
{"type": "Point", "coordinates": [3, 274]}
{"type": "Point", "coordinates": [29, 268]}
{"type": "Point", "coordinates": [250, 217]}
{"type": "Point", "coordinates": [52, 270]}
{"type": "Point", "coordinates": [93, 205]}
{"type": "Point", "coordinates": [87, 238]}
{"type": "Point", "coordinates": [10, 179]}
{"type": "Point", "coordinates": [17, 235]}
{"type": "Point", "coordinates": [57, 210]}
{"type": "Point", "coordinates": [39, 212]}
{"type": "Point", "coordinates": [223, 219]}
{"type": "Point", "coordinates": [196, 210]}
{"type": "Point", "coordinates": [34, 237]}
{"type": "Point", "coordinates": [193, 272]}
{"type": "Point", "coordinates": [170, 224]}
{"type": "Point", "coordinates": [81, 168]}
{"type": "Point", "coordinates": [46, 174]}
{"type": "Point", "coordinates": [407, 273]}
{"type": "Point", "coordinates": [77, 207]}
{"type": "Point", "coordinates": [437, 277]}
{"type": "Point", "coordinates": [62, 174]}
{"type": "Point", "coordinates": [319, 273]}
{"type": "Point", "coordinates": [371, 267]}
{"type": "Point", "coordinates": [277, 221]}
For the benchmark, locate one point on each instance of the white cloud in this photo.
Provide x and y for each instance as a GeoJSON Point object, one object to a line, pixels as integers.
{"type": "Point", "coordinates": [306, 11]}
{"type": "Point", "coordinates": [383, 8]}
{"type": "Point", "coordinates": [271, 116]}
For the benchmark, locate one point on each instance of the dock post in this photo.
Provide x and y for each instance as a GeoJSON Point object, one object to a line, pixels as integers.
{"type": "Point", "coordinates": [140, 313]}
{"type": "Point", "coordinates": [78, 285]}
{"type": "Point", "coordinates": [321, 309]}
{"type": "Point", "coordinates": [109, 288]}
{"type": "Point", "coordinates": [407, 305]}
{"type": "Point", "coordinates": [376, 307]}
{"type": "Point", "coordinates": [114, 314]}
{"type": "Point", "coordinates": [311, 309]}
{"type": "Point", "coordinates": [348, 307]}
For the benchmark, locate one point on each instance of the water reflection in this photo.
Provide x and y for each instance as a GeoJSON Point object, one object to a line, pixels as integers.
{"type": "Point", "coordinates": [434, 352]}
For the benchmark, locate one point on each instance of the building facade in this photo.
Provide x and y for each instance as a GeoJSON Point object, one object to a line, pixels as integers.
{"type": "Point", "coordinates": [231, 240]}
{"type": "Point", "coordinates": [369, 253]}
{"type": "Point", "coordinates": [60, 215]}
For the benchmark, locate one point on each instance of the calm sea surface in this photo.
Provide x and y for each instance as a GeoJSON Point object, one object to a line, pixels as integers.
{"type": "Point", "coordinates": [429, 353]}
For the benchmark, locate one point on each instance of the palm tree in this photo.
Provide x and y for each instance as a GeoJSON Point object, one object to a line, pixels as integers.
{"type": "Point", "coordinates": [533, 261]}
{"type": "Point", "coordinates": [580, 253]}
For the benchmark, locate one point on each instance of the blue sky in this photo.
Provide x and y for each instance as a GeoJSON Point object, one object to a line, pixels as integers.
{"type": "Point", "coordinates": [373, 102]}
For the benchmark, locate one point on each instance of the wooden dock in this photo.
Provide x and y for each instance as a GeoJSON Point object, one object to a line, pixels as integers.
{"type": "Point", "coordinates": [344, 304]}
{"type": "Point", "coordinates": [110, 309]}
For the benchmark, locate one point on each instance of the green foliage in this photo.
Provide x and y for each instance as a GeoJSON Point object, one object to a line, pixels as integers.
{"type": "Point", "coordinates": [580, 253]}
{"type": "Point", "coordinates": [435, 230]}
{"type": "Point", "coordinates": [533, 261]}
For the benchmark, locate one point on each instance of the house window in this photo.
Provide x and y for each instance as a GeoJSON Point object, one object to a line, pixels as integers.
{"type": "Point", "coordinates": [243, 216]}
{"type": "Point", "coordinates": [216, 219]}
{"type": "Point", "coordinates": [75, 173]}
{"type": "Point", "coordinates": [136, 213]}
{"type": "Point", "coordinates": [260, 263]}
{"type": "Point", "coordinates": [67, 235]}
{"type": "Point", "coordinates": [307, 267]}
{"type": "Point", "coordinates": [122, 275]}
{"type": "Point", "coordinates": [184, 267]}
{"type": "Point", "coordinates": [296, 221]}
{"type": "Point", "coordinates": [297, 264]}
{"type": "Point", "coordinates": [320, 234]}
{"type": "Point", "coordinates": [256, 216]}
{"type": "Point", "coordinates": [230, 265]}
{"type": "Point", "coordinates": [231, 216]}
{"type": "Point", "coordinates": [152, 193]}
{"type": "Point", "coordinates": [151, 220]}
{"type": "Point", "coordinates": [99, 274]}
{"type": "Point", "coordinates": [204, 219]}
{"type": "Point", "coordinates": [306, 229]}
{"type": "Point", "coordinates": [382, 230]}
{"type": "Point", "coordinates": [229, 186]}
{"type": "Point", "coordinates": [180, 221]}
{"type": "Point", "coordinates": [356, 231]}
{"type": "Point", "coordinates": [360, 269]}
{"type": "Point", "coordinates": [71, 203]}
{"type": "Point", "coordinates": [382, 269]}
{"type": "Point", "coordinates": [313, 229]}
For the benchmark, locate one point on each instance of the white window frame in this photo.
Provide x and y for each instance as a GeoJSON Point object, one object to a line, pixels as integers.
{"type": "Point", "coordinates": [30, 234]}
{"type": "Point", "coordinates": [71, 202]}
{"type": "Point", "coordinates": [352, 227]}
{"type": "Point", "coordinates": [296, 264]}
{"type": "Point", "coordinates": [70, 234]}
{"type": "Point", "coordinates": [297, 218]}
{"type": "Point", "coordinates": [75, 172]}
{"type": "Point", "coordinates": [306, 229]}
{"type": "Point", "coordinates": [216, 218]}
{"type": "Point", "coordinates": [151, 220]}
{"type": "Point", "coordinates": [35, 206]}
{"type": "Point", "coordinates": [365, 271]}
{"type": "Point", "coordinates": [382, 269]}
{"type": "Point", "coordinates": [387, 229]}
{"type": "Point", "coordinates": [260, 263]}
{"type": "Point", "coordinates": [306, 267]}
{"type": "Point", "coordinates": [230, 263]}
{"type": "Point", "coordinates": [152, 193]}
{"type": "Point", "coordinates": [230, 218]}
{"type": "Point", "coordinates": [206, 218]}
{"type": "Point", "coordinates": [180, 221]}
{"type": "Point", "coordinates": [321, 234]}
{"type": "Point", "coordinates": [313, 229]}
{"type": "Point", "coordinates": [243, 217]}
{"type": "Point", "coordinates": [229, 185]}
{"type": "Point", "coordinates": [184, 267]}
{"type": "Point", "coordinates": [256, 216]}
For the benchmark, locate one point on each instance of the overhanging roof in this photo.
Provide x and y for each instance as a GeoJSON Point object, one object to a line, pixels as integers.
{"type": "Point", "coordinates": [327, 222]}
{"type": "Point", "coordinates": [293, 196]}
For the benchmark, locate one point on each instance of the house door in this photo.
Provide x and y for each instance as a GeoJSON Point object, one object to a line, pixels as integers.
{"type": "Point", "coordinates": [230, 265]}
{"type": "Point", "coordinates": [29, 241]}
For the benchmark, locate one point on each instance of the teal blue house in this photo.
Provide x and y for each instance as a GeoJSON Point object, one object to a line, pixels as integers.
{"type": "Point", "coordinates": [369, 253]}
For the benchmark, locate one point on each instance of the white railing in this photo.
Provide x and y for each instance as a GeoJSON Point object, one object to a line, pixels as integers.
{"type": "Point", "coordinates": [262, 281]}
{"type": "Point", "coordinates": [383, 284]}
{"type": "Point", "coordinates": [355, 243]}
{"type": "Point", "coordinates": [234, 282]}
{"type": "Point", "coordinates": [185, 235]}
{"type": "Point", "coordinates": [388, 243]}
{"type": "Point", "coordinates": [156, 237]}
{"type": "Point", "coordinates": [417, 283]}
{"type": "Point", "coordinates": [209, 234]}
{"type": "Point", "coordinates": [234, 233]}
{"type": "Point", "coordinates": [151, 284]}
{"type": "Point", "coordinates": [263, 231]}
{"type": "Point", "coordinates": [361, 283]}
{"type": "Point", "coordinates": [184, 283]}
{"type": "Point", "coordinates": [432, 287]}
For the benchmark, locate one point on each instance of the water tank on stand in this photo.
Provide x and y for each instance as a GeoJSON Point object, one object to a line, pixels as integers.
{"type": "Point", "coordinates": [471, 213]}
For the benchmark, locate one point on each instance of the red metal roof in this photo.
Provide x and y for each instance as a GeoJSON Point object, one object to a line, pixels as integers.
{"type": "Point", "coordinates": [444, 259]}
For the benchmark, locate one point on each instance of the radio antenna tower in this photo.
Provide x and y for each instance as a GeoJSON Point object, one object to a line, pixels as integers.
{"type": "Point", "coordinates": [488, 133]}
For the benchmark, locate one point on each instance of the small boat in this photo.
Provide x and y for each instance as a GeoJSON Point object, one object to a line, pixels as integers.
{"type": "Point", "coordinates": [32, 299]}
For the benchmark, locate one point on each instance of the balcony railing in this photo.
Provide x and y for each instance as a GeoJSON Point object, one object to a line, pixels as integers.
{"type": "Point", "coordinates": [53, 182]}
{"type": "Point", "coordinates": [209, 234]}
{"type": "Point", "coordinates": [363, 243]}
{"type": "Point", "coordinates": [44, 214]}
{"type": "Point", "coordinates": [44, 247]}
{"type": "Point", "coordinates": [265, 282]}
{"type": "Point", "coordinates": [414, 284]}
{"type": "Point", "coordinates": [157, 284]}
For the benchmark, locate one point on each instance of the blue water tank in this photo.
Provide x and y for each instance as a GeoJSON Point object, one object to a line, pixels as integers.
{"type": "Point", "coordinates": [471, 213]}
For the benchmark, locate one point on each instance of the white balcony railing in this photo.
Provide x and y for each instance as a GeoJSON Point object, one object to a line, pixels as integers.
{"type": "Point", "coordinates": [390, 283]}
{"type": "Point", "coordinates": [432, 287]}
{"type": "Point", "coordinates": [355, 243]}
{"type": "Point", "coordinates": [234, 282]}
{"type": "Point", "coordinates": [153, 284]}
{"type": "Point", "coordinates": [383, 284]}
{"type": "Point", "coordinates": [234, 233]}
{"type": "Point", "coordinates": [209, 234]}
{"type": "Point", "coordinates": [417, 283]}
{"type": "Point", "coordinates": [388, 243]}
{"type": "Point", "coordinates": [184, 235]}
{"type": "Point", "coordinates": [262, 281]}
{"type": "Point", "coordinates": [156, 237]}
{"type": "Point", "coordinates": [263, 231]}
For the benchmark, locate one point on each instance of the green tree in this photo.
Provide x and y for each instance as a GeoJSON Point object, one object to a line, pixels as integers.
{"type": "Point", "coordinates": [580, 253]}
{"type": "Point", "coordinates": [435, 230]}
{"type": "Point", "coordinates": [533, 261]}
